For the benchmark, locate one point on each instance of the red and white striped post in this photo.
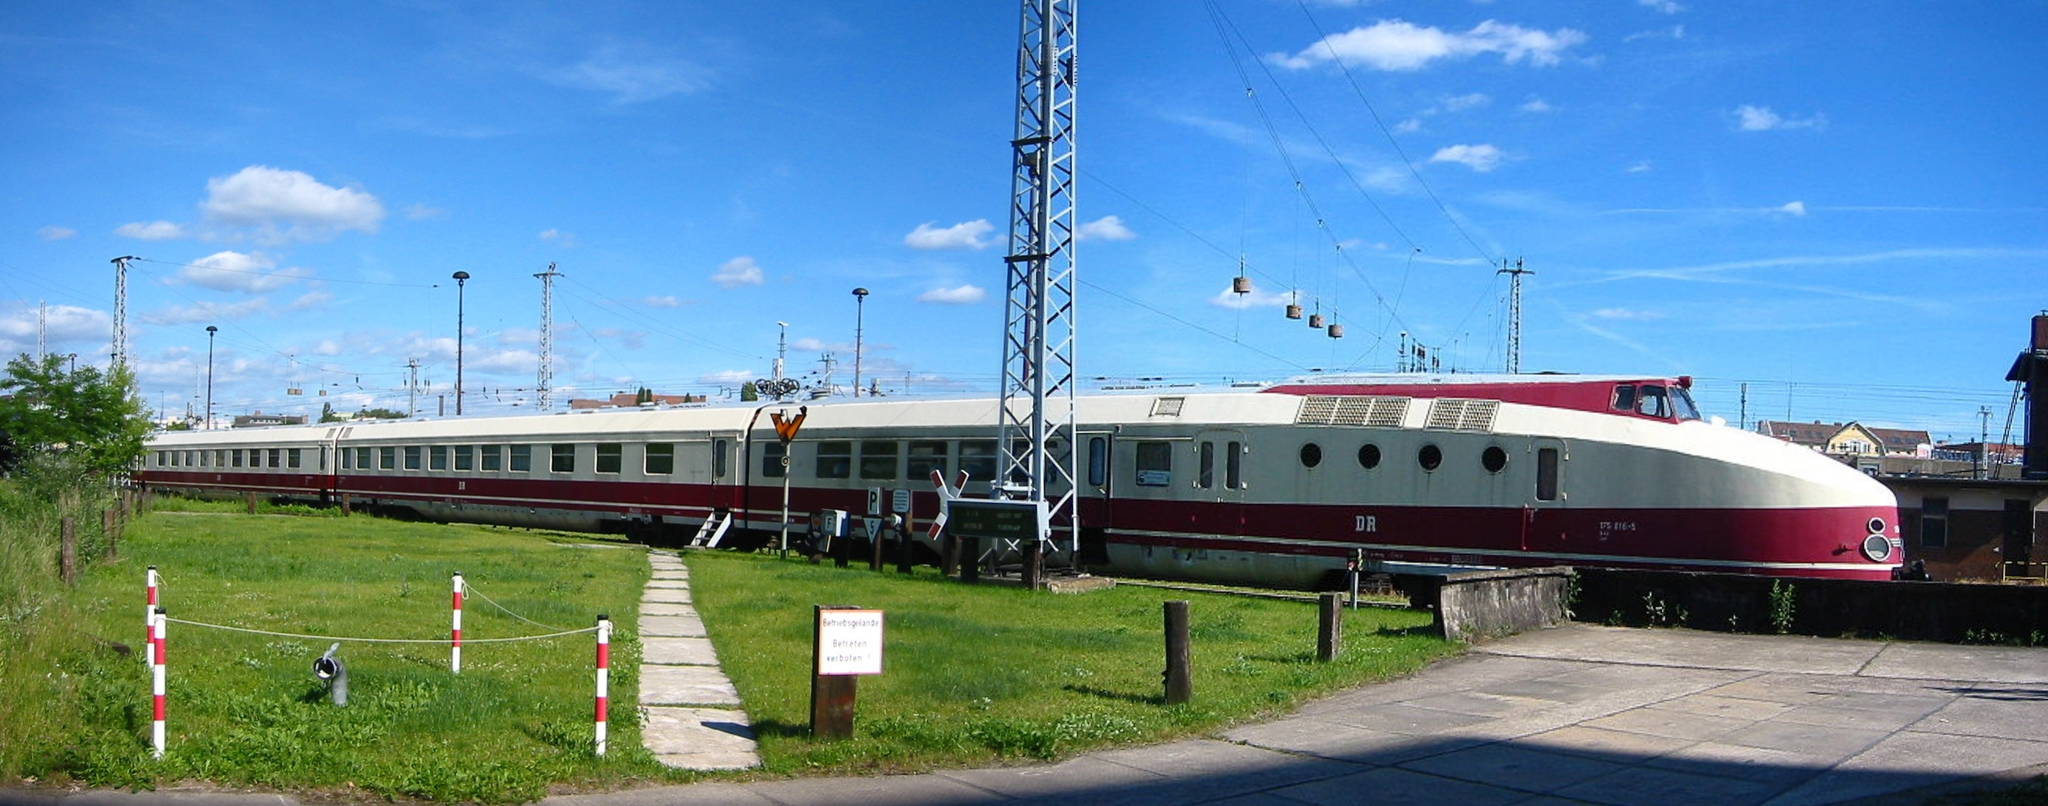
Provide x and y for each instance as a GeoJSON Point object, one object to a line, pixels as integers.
{"type": "Point", "coordinates": [149, 621]}
{"type": "Point", "coordinates": [156, 684]}
{"type": "Point", "coordinates": [604, 671]}
{"type": "Point", "coordinates": [455, 632]}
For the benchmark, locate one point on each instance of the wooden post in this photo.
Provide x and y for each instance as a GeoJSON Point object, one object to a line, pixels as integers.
{"type": "Point", "coordinates": [903, 544]}
{"type": "Point", "coordinates": [832, 695]}
{"type": "Point", "coordinates": [344, 505]}
{"type": "Point", "coordinates": [110, 523]}
{"type": "Point", "coordinates": [949, 554]}
{"type": "Point", "coordinates": [970, 559]}
{"type": "Point", "coordinates": [69, 570]}
{"type": "Point", "coordinates": [1179, 687]}
{"type": "Point", "coordinates": [1330, 627]}
{"type": "Point", "coordinates": [252, 503]}
{"type": "Point", "coordinates": [1034, 565]}
{"type": "Point", "coordinates": [874, 550]}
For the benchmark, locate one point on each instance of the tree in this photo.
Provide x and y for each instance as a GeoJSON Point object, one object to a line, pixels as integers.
{"type": "Point", "coordinates": [748, 392]}
{"type": "Point", "coordinates": [380, 414]}
{"type": "Point", "coordinates": [88, 416]}
{"type": "Point", "coordinates": [327, 414]}
{"type": "Point", "coordinates": [644, 396]}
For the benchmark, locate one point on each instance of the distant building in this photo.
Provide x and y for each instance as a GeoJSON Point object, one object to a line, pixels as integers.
{"type": "Point", "coordinates": [1974, 530]}
{"type": "Point", "coordinates": [627, 400]}
{"type": "Point", "coordinates": [1850, 439]}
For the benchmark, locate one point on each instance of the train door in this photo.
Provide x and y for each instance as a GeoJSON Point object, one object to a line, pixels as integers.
{"type": "Point", "coordinates": [727, 458]}
{"type": "Point", "coordinates": [1098, 492]}
{"type": "Point", "coordinates": [1544, 528]}
{"type": "Point", "coordinates": [1220, 481]}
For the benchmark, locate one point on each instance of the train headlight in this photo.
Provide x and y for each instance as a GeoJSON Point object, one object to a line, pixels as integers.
{"type": "Point", "coordinates": [1876, 526]}
{"type": "Point", "coordinates": [1877, 547]}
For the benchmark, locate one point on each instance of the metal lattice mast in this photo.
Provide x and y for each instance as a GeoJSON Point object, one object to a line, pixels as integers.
{"type": "Point", "coordinates": [546, 384]}
{"type": "Point", "coordinates": [1514, 313]}
{"type": "Point", "coordinates": [121, 309]}
{"type": "Point", "coordinates": [1038, 342]}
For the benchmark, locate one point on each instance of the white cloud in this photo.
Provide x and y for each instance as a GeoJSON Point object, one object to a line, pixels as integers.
{"type": "Point", "coordinates": [234, 271]}
{"type": "Point", "coordinates": [1536, 106]}
{"type": "Point", "coordinates": [62, 324]}
{"type": "Point", "coordinates": [1395, 45]}
{"type": "Point", "coordinates": [737, 272]}
{"type": "Point", "coordinates": [327, 347]}
{"type": "Point", "coordinates": [311, 300]}
{"type": "Point", "coordinates": [208, 312]}
{"type": "Point", "coordinates": [289, 205]}
{"type": "Point", "coordinates": [729, 377]}
{"type": "Point", "coordinates": [1481, 158]}
{"type": "Point", "coordinates": [566, 239]}
{"type": "Point", "coordinates": [56, 233]}
{"type": "Point", "coordinates": [1460, 103]}
{"type": "Point", "coordinates": [661, 302]}
{"type": "Point", "coordinates": [1794, 208]}
{"type": "Point", "coordinates": [1661, 6]}
{"type": "Point", "coordinates": [1228, 298]}
{"type": "Point", "coordinates": [632, 73]}
{"type": "Point", "coordinates": [1639, 167]}
{"type": "Point", "coordinates": [964, 235]}
{"type": "Point", "coordinates": [152, 231]}
{"type": "Point", "coordinates": [813, 345]}
{"type": "Point", "coordinates": [1761, 119]}
{"type": "Point", "coordinates": [964, 295]}
{"type": "Point", "coordinates": [1106, 228]}
{"type": "Point", "coordinates": [1409, 126]}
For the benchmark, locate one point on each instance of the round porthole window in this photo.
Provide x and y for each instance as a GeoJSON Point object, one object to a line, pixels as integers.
{"type": "Point", "coordinates": [1494, 459]}
{"type": "Point", "coordinates": [1369, 456]}
{"type": "Point", "coordinates": [1430, 457]}
{"type": "Point", "coordinates": [1877, 548]}
{"type": "Point", "coordinates": [1875, 526]}
{"type": "Point", "coordinates": [1311, 455]}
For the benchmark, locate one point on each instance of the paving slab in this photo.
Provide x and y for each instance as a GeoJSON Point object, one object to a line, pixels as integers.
{"type": "Point", "coordinates": [1666, 787]}
{"type": "Point", "coordinates": [669, 595]}
{"type": "Point", "coordinates": [897, 790]}
{"type": "Point", "coordinates": [1398, 786]}
{"type": "Point", "coordinates": [686, 685]}
{"type": "Point", "coordinates": [667, 609]}
{"type": "Point", "coordinates": [1697, 650]}
{"type": "Point", "coordinates": [1514, 766]}
{"type": "Point", "coordinates": [700, 738]}
{"type": "Point", "coordinates": [683, 626]}
{"type": "Point", "coordinates": [669, 651]}
{"type": "Point", "coordinates": [1949, 662]}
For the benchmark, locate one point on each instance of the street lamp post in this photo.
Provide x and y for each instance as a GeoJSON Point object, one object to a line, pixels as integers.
{"type": "Point", "coordinates": [860, 308]}
{"type": "Point", "coordinates": [210, 330]}
{"type": "Point", "coordinates": [461, 279]}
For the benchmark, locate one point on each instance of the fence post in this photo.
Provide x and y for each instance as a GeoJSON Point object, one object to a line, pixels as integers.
{"type": "Point", "coordinates": [1179, 688]}
{"type": "Point", "coordinates": [604, 665]}
{"type": "Point", "coordinates": [344, 505]}
{"type": "Point", "coordinates": [149, 621]}
{"type": "Point", "coordinates": [252, 503]}
{"type": "Point", "coordinates": [1330, 627]}
{"type": "Point", "coordinates": [455, 631]}
{"type": "Point", "coordinates": [156, 684]}
{"type": "Point", "coordinates": [69, 569]}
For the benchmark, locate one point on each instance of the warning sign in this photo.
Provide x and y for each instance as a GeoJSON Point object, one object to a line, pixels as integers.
{"type": "Point", "coordinates": [849, 642]}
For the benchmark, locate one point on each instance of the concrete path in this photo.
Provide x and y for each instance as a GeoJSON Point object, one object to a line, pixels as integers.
{"type": "Point", "coordinates": [1573, 715]}
{"type": "Point", "coordinates": [694, 719]}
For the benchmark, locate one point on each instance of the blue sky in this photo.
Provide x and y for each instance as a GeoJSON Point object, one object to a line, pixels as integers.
{"type": "Point", "coordinates": [1839, 205]}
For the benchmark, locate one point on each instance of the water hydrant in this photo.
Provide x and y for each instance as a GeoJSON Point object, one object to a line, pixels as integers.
{"type": "Point", "coordinates": [330, 670]}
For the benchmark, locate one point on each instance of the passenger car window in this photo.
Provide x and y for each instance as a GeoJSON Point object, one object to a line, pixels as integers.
{"type": "Point", "coordinates": [1154, 467]}
{"type": "Point", "coordinates": [835, 460]}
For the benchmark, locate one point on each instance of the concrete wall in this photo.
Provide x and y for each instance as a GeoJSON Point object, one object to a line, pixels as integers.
{"type": "Point", "coordinates": [1488, 604]}
{"type": "Point", "coordinates": [1919, 611]}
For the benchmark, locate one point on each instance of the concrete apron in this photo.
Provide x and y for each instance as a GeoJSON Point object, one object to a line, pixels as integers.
{"type": "Point", "coordinates": [693, 715]}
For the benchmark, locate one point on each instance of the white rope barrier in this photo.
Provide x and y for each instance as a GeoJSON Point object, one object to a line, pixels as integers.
{"type": "Point", "coordinates": [380, 640]}
{"type": "Point", "coordinates": [470, 587]}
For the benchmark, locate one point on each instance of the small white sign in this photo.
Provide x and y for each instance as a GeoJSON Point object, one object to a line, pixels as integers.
{"type": "Point", "coordinates": [875, 502]}
{"type": "Point", "coordinates": [899, 502]}
{"type": "Point", "coordinates": [849, 642]}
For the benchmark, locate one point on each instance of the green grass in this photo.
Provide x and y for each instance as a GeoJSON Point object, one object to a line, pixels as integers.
{"type": "Point", "coordinates": [974, 675]}
{"type": "Point", "coordinates": [245, 710]}
{"type": "Point", "coordinates": [984, 674]}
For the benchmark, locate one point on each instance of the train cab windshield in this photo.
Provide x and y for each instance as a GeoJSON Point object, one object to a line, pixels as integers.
{"type": "Point", "coordinates": [1655, 400]}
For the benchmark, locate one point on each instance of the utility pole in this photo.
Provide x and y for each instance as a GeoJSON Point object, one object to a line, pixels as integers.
{"type": "Point", "coordinates": [781, 348]}
{"type": "Point", "coordinates": [42, 330]}
{"type": "Point", "coordinates": [121, 309]}
{"type": "Point", "coordinates": [545, 388]}
{"type": "Point", "coordinates": [1514, 313]}
{"type": "Point", "coordinates": [412, 386]}
{"type": "Point", "coordinates": [1038, 374]}
{"type": "Point", "coordinates": [1983, 442]}
{"type": "Point", "coordinates": [860, 301]}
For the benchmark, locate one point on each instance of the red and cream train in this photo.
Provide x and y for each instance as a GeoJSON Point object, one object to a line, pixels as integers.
{"type": "Point", "coordinates": [1273, 485]}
